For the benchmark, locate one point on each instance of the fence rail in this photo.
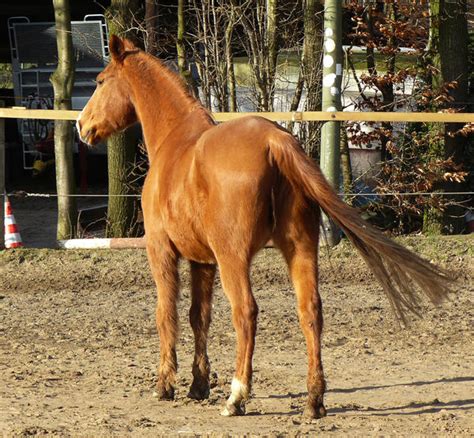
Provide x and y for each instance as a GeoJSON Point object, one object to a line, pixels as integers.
{"type": "Point", "coordinates": [297, 116]}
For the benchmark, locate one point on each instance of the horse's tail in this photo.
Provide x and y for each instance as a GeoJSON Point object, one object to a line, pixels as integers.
{"type": "Point", "coordinates": [395, 267]}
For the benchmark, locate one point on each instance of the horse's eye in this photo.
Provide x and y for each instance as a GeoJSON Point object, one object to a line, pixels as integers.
{"type": "Point", "coordinates": [99, 81]}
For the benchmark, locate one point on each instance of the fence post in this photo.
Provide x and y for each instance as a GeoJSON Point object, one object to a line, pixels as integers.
{"type": "Point", "coordinates": [331, 102]}
{"type": "Point", "coordinates": [2, 178]}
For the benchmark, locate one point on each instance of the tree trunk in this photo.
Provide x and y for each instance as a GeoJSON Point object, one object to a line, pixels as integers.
{"type": "Point", "coordinates": [151, 24]}
{"type": "Point", "coordinates": [433, 217]}
{"type": "Point", "coordinates": [312, 68]}
{"type": "Point", "coordinates": [448, 51]}
{"type": "Point", "coordinates": [232, 89]}
{"type": "Point", "coordinates": [312, 49]}
{"type": "Point", "coordinates": [121, 208]}
{"type": "Point", "coordinates": [453, 50]}
{"type": "Point", "coordinates": [181, 51]}
{"type": "Point", "coordinates": [272, 44]}
{"type": "Point", "coordinates": [120, 146]}
{"type": "Point", "coordinates": [63, 82]}
{"type": "Point", "coordinates": [346, 167]}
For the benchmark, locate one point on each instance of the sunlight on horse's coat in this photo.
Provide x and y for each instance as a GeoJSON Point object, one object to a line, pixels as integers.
{"type": "Point", "coordinates": [215, 194]}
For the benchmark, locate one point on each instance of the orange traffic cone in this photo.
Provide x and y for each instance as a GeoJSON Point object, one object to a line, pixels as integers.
{"type": "Point", "coordinates": [12, 236]}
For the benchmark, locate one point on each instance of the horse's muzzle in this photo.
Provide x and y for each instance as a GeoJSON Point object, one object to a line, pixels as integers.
{"type": "Point", "coordinates": [89, 137]}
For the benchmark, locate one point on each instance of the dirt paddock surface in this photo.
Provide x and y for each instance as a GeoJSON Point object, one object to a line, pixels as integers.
{"type": "Point", "coordinates": [80, 350]}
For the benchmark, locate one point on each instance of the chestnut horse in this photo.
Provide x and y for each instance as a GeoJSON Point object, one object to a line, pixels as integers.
{"type": "Point", "coordinates": [215, 194]}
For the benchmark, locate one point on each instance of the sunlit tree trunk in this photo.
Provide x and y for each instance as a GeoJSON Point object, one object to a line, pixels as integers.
{"type": "Point", "coordinates": [312, 68]}
{"type": "Point", "coordinates": [63, 81]}
{"type": "Point", "coordinates": [120, 146]}
{"type": "Point", "coordinates": [272, 44]}
{"type": "Point", "coordinates": [346, 167]}
{"type": "Point", "coordinates": [232, 90]}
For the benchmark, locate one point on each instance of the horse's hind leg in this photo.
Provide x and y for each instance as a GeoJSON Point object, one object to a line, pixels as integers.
{"type": "Point", "coordinates": [200, 318]}
{"type": "Point", "coordinates": [236, 283]}
{"type": "Point", "coordinates": [164, 266]}
{"type": "Point", "coordinates": [297, 237]}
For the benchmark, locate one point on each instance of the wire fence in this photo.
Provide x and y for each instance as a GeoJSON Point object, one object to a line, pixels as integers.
{"type": "Point", "coordinates": [23, 194]}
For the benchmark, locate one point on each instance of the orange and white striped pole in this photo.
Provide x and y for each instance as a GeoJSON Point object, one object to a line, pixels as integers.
{"type": "Point", "coordinates": [12, 235]}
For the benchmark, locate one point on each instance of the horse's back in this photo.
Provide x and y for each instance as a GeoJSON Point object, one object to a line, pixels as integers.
{"type": "Point", "coordinates": [238, 145]}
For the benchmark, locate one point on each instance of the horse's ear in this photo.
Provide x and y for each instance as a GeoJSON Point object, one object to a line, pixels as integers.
{"type": "Point", "coordinates": [119, 48]}
{"type": "Point", "coordinates": [116, 48]}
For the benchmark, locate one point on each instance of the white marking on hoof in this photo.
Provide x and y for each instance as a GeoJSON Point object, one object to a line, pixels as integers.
{"type": "Point", "coordinates": [233, 411]}
{"type": "Point", "coordinates": [239, 391]}
{"type": "Point", "coordinates": [225, 412]}
{"type": "Point", "coordinates": [235, 403]}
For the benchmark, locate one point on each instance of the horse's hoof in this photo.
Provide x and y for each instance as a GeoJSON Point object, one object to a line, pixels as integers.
{"type": "Point", "coordinates": [315, 412]}
{"type": "Point", "coordinates": [232, 410]}
{"type": "Point", "coordinates": [197, 392]}
{"type": "Point", "coordinates": [165, 393]}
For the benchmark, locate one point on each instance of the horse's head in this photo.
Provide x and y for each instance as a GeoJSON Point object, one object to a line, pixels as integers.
{"type": "Point", "coordinates": [110, 109]}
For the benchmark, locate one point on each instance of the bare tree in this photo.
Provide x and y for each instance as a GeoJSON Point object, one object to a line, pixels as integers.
{"type": "Point", "coordinates": [312, 71]}
{"type": "Point", "coordinates": [213, 52]}
{"type": "Point", "coordinates": [151, 25]}
{"type": "Point", "coordinates": [453, 45]}
{"type": "Point", "coordinates": [121, 146]}
{"type": "Point", "coordinates": [229, 59]}
{"type": "Point", "coordinates": [63, 81]}
{"type": "Point", "coordinates": [183, 67]}
{"type": "Point", "coordinates": [259, 19]}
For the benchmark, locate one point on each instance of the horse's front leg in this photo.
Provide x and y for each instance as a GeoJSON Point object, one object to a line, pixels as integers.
{"type": "Point", "coordinates": [163, 260]}
{"type": "Point", "coordinates": [200, 319]}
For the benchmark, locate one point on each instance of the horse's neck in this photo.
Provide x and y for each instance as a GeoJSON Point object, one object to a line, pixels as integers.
{"type": "Point", "coordinates": [161, 103]}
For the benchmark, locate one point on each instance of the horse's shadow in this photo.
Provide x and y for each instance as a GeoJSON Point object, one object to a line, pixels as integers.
{"type": "Point", "coordinates": [417, 383]}
{"type": "Point", "coordinates": [416, 408]}
{"type": "Point", "coordinates": [429, 407]}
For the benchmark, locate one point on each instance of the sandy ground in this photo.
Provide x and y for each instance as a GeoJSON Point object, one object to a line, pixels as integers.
{"type": "Point", "coordinates": [79, 351]}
